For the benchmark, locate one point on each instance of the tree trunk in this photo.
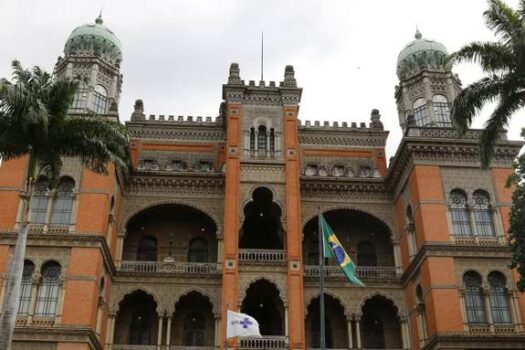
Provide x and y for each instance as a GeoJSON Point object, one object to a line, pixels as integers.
{"type": "Point", "coordinates": [14, 280]}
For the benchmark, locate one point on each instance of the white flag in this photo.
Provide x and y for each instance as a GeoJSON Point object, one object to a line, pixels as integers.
{"type": "Point", "coordinates": [241, 325]}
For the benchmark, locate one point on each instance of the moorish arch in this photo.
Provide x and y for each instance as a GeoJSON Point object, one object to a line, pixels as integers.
{"type": "Point", "coordinates": [311, 295]}
{"type": "Point", "coordinates": [380, 322]}
{"type": "Point", "coordinates": [121, 292]}
{"type": "Point", "coordinates": [279, 281]}
{"type": "Point", "coordinates": [176, 231]}
{"type": "Point", "coordinates": [336, 326]}
{"type": "Point", "coordinates": [366, 238]}
{"type": "Point", "coordinates": [262, 226]}
{"type": "Point", "coordinates": [210, 297]}
{"type": "Point", "coordinates": [264, 303]}
{"type": "Point", "coordinates": [130, 214]}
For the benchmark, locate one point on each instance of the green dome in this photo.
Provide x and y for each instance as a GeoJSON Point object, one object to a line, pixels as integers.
{"type": "Point", "coordinates": [94, 39]}
{"type": "Point", "coordinates": [420, 54]}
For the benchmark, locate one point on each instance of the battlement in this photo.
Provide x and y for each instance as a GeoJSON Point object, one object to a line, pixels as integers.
{"type": "Point", "coordinates": [138, 115]}
{"type": "Point", "coordinates": [375, 124]}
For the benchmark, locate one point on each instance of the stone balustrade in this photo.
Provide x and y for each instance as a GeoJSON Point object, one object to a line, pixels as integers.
{"type": "Point", "coordinates": [264, 342]}
{"type": "Point", "coordinates": [189, 268]}
{"type": "Point", "coordinates": [262, 255]}
{"type": "Point", "coordinates": [364, 272]}
{"type": "Point", "coordinates": [133, 347]}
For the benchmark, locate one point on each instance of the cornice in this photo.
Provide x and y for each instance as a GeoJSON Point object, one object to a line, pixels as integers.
{"type": "Point", "coordinates": [454, 340]}
{"type": "Point", "coordinates": [373, 189]}
{"type": "Point", "coordinates": [166, 131]}
{"type": "Point", "coordinates": [350, 137]}
{"type": "Point", "coordinates": [154, 182]}
{"type": "Point", "coordinates": [58, 333]}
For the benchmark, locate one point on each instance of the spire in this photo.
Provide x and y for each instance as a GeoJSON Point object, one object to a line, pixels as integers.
{"type": "Point", "coordinates": [99, 19]}
{"type": "Point", "coordinates": [418, 34]}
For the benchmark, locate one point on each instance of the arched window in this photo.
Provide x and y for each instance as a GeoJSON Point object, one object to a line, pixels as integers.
{"type": "Point", "coordinates": [313, 252]}
{"type": "Point", "coordinates": [194, 330]}
{"type": "Point", "coordinates": [483, 214]}
{"type": "Point", "coordinates": [79, 100]}
{"type": "Point", "coordinates": [373, 332]}
{"type": "Point", "coordinates": [140, 329]}
{"type": "Point", "coordinates": [366, 254]}
{"type": "Point", "coordinates": [147, 249]}
{"type": "Point", "coordinates": [474, 302]}
{"type": "Point", "coordinates": [420, 110]}
{"type": "Point", "coordinates": [25, 288]}
{"type": "Point", "coordinates": [459, 213]}
{"type": "Point", "coordinates": [100, 99]}
{"type": "Point", "coordinates": [441, 111]}
{"type": "Point", "coordinates": [39, 202]}
{"type": "Point", "coordinates": [49, 291]}
{"type": "Point", "coordinates": [252, 139]}
{"type": "Point", "coordinates": [261, 138]}
{"type": "Point", "coordinates": [198, 250]}
{"type": "Point", "coordinates": [63, 203]}
{"type": "Point", "coordinates": [499, 301]}
{"type": "Point", "coordinates": [272, 140]}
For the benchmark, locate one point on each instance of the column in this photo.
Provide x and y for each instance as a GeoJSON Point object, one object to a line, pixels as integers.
{"type": "Point", "coordinates": [159, 335]}
{"type": "Point", "coordinates": [110, 332]}
{"type": "Point", "coordinates": [58, 317]}
{"type": "Point", "coordinates": [286, 320]}
{"type": "Point", "coordinates": [50, 197]}
{"type": "Point", "coordinates": [516, 310]}
{"type": "Point", "coordinates": [358, 330]}
{"type": "Point", "coordinates": [488, 311]}
{"type": "Point", "coordinates": [119, 248]}
{"type": "Point", "coordinates": [217, 332]}
{"type": "Point", "coordinates": [397, 257]}
{"type": "Point", "coordinates": [349, 330]}
{"type": "Point", "coordinates": [405, 336]}
{"type": "Point", "coordinates": [220, 249]}
{"type": "Point", "coordinates": [462, 307]}
{"type": "Point", "coordinates": [168, 332]}
{"type": "Point", "coordinates": [34, 290]}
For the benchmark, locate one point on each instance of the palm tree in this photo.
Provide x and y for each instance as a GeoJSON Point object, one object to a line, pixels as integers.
{"type": "Point", "coordinates": [504, 63]}
{"type": "Point", "coordinates": [34, 123]}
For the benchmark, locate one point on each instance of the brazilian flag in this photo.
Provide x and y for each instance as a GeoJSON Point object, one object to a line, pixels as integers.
{"type": "Point", "coordinates": [332, 248]}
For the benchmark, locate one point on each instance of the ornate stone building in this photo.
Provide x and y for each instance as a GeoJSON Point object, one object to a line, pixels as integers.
{"type": "Point", "coordinates": [221, 213]}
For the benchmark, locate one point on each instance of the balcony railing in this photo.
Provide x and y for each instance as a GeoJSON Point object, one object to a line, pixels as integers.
{"type": "Point", "coordinates": [365, 272]}
{"type": "Point", "coordinates": [265, 342]}
{"type": "Point", "coordinates": [133, 347]}
{"type": "Point", "coordinates": [262, 255]}
{"type": "Point", "coordinates": [183, 347]}
{"type": "Point", "coordinates": [170, 267]}
{"type": "Point", "coordinates": [478, 240]}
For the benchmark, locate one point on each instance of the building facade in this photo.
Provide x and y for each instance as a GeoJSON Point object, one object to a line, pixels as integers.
{"type": "Point", "coordinates": [221, 213]}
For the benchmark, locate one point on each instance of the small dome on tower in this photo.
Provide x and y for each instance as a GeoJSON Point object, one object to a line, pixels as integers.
{"type": "Point", "coordinates": [420, 54]}
{"type": "Point", "coordinates": [94, 39]}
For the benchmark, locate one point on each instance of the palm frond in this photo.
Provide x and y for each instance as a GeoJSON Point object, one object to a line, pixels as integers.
{"type": "Point", "coordinates": [497, 123]}
{"type": "Point", "coordinates": [491, 56]}
{"type": "Point", "coordinates": [504, 20]}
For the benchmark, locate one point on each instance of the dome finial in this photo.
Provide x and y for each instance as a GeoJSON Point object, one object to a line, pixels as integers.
{"type": "Point", "coordinates": [99, 19]}
{"type": "Point", "coordinates": [418, 34]}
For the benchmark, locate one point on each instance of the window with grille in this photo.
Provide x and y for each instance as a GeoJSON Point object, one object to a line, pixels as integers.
{"type": "Point", "coordinates": [49, 290]}
{"type": "Point", "coordinates": [420, 110]}
{"type": "Point", "coordinates": [262, 138]}
{"type": "Point", "coordinates": [198, 250]}
{"type": "Point", "coordinates": [39, 202]}
{"type": "Point", "coordinates": [194, 330]}
{"type": "Point", "coordinates": [272, 140]}
{"type": "Point", "coordinates": [79, 100]}
{"type": "Point", "coordinates": [441, 111]}
{"type": "Point", "coordinates": [474, 302]}
{"type": "Point", "coordinates": [252, 139]}
{"type": "Point", "coordinates": [100, 100]}
{"type": "Point", "coordinates": [483, 215]}
{"type": "Point", "coordinates": [140, 329]}
{"type": "Point", "coordinates": [147, 249]}
{"type": "Point", "coordinates": [411, 232]}
{"type": "Point", "coordinates": [25, 288]}
{"type": "Point", "coordinates": [459, 213]}
{"type": "Point", "coordinates": [63, 203]}
{"type": "Point", "coordinates": [366, 254]}
{"type": "Point", "coordinates": [499, 300]}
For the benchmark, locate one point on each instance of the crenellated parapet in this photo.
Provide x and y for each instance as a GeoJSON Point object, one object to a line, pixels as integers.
{"type": "Point", "coordinates": [263, 93]}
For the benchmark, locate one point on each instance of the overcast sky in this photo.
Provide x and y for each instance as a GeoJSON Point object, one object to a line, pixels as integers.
{"type": "Point", "coordinates": [176, 54]}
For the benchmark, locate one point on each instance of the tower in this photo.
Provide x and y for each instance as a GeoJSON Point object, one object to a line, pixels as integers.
{"type": "Point", "coordinates": [93, 54]}
{"type": "Point", "coordinates": [427, 85]}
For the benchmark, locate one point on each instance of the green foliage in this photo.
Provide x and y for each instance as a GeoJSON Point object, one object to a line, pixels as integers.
{"type": "Point", "coordinates": [34, 122]}
{"type": "Point", "coordinates": [517, 218]}
{"type": "Point", "coordinates": [504, 64]}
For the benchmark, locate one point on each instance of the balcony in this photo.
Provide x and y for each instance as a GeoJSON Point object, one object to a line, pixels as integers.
{"type": "Point", "coordinates": [262, 256]}
{"type": "Point", "coordinates": [363, 272]}
{"type": "Point", "coordinates": [183, 268]}
{"type": "Point", "coordinates": [264, 342]}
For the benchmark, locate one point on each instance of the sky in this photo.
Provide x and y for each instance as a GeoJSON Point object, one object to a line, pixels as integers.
{"type": "Point", "coordinates": [176, 54]}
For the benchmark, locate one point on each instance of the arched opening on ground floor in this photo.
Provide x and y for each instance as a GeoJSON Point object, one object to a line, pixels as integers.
{"type": "Point", "coordinates": [336, 328]}
{"type": "Point", "coordinates": [380, 326]}
{"type": "Point", "coordinates": [193, 321]}
{"type": "Point", "coordinates": [137, 320]}
{"type": "Point", "coordinates": [263, 303]}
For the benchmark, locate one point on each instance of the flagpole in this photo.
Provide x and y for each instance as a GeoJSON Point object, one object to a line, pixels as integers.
{"type": "Point", "coordinates": [321, 280]}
